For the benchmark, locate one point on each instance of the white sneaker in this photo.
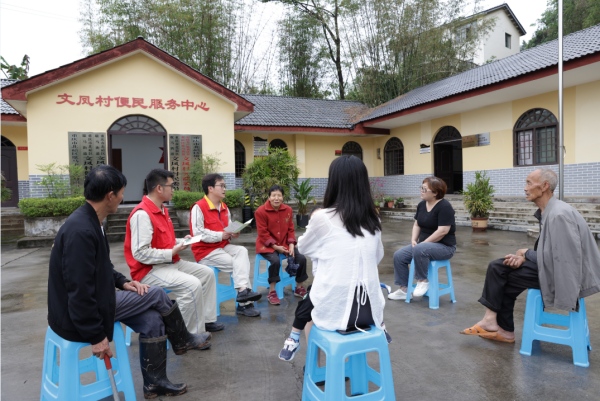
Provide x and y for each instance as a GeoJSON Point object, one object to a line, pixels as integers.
{"type": "Point", "coordinates": [421, 288]}
{"type": "Point", "coordinates": [397, 295]}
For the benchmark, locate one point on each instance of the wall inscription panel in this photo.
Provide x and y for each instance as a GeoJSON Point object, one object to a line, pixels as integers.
{"type": "Point", "coordinates": [87, 149]}
{"type": "Point", "coordinates": [184, 150]}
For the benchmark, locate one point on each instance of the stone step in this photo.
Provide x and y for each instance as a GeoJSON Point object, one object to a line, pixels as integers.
{"type": "Point", "coordinates": [35, 242]}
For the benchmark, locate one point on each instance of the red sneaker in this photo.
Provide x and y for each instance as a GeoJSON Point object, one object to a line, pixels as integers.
{"type": "Point", "coordinates": [300, 292]}
{"type": "Point", "coordinates": [273, 298]}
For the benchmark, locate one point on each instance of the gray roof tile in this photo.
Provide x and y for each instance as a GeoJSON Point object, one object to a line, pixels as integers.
{"type": "Point", "coordinates": [302, 112]}
{"type": "Point", "coordinates": [575, 45]}
{"type": "Point", "coordinates": [6, 108]}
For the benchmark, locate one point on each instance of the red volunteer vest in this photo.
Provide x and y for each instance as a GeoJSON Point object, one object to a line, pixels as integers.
{"type": "Point", "coordinates": [214, 220]}
{"type": "Point", "coordinates": [163, 236]}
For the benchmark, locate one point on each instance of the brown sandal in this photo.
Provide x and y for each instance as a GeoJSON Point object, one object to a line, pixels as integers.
{"type": "Point", "coordinates": [477, 330]}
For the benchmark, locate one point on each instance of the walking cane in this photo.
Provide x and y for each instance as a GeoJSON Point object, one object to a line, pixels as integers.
{"type": "Point", "coordinates": [112, 378]}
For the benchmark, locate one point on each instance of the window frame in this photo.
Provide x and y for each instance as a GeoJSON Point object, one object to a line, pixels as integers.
{"type": "Point", "coordinates": [535, 120]}
{"type": "Point", "coordinates": [388, 152]}
{"type": "Point", "coordinates": [352, 148]}
{"type": "Point", "coordinates": [239, 159]}
{"type": "Point", "coordinates": [507, 40]}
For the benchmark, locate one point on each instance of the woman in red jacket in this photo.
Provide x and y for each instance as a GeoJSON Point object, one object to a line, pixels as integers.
{"type": "Point", "coordinates": [276, 236]}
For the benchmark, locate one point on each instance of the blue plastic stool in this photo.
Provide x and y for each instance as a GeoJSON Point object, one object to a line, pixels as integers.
{"type": "Point", "coordinates": [262, 279]}
{"type": "Point", "coordinates": [129, 330]}
{"type": "Point", "coordinates": [61, 378]}
{"type": "Point", "coordinates": [224, 292]}
{"type": "Point", "coordinates": [436, 289]}
{"type": "Point", "coordinates": [576, 335]}
{"type": "Point", "coordinates": [354, 348]}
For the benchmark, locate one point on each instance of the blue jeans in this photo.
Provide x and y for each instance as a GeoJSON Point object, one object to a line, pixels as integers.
{"type": "Point", "coordinates": [422, 253]}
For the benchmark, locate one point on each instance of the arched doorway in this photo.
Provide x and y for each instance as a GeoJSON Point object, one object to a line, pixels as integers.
{"type": "Point", "coordinates": [9, 172]}
{"type": "Point", "coordinates": [278, 143]}
{"type": "Point", "coordinates": [136, 145]}
{"type": "Point", "coordinates": [447, 158]}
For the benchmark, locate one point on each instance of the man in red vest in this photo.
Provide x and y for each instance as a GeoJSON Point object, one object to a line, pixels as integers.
{"type": "Point", "coordinates": [152, 253]}
{"type": "Point", "coordinates": [209, 217]}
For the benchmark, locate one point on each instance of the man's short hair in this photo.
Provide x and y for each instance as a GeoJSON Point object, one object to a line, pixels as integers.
{"type": "Point", "coordinates": [210, 180]}
{"type": "Point", "coordinates": [102, 180]}
{"type": "Point", "coordinates": [158, 176]}
{"type": "Point", "coordinates": [550, 177]}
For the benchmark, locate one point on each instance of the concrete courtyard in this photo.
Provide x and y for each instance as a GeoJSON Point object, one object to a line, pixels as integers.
{"type": "Point", "coordinates": [430, 359]}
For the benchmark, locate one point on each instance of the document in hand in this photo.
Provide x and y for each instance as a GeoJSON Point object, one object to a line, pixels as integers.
{"type": "Point", "coordinates": [236, 226]}
{"type": "Point", "coordinates": [192, 240]}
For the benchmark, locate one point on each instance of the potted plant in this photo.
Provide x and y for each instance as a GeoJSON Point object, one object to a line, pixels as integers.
{"type": "Point", "coordinates": [479, 202]}
{"type": "Point", "coordinates": [303, 197]}
{"type": "Point", "coordinates": [399, 202]}
{"type": "Point", "coordinates": [389, 201]}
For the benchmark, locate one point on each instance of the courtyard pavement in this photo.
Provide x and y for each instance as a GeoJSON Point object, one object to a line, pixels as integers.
{"type": "Point", "coordinates": [430, 359]}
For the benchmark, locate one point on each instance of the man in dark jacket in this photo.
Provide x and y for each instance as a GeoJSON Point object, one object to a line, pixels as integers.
{"type": "Point", "coordinates": [83, 304]}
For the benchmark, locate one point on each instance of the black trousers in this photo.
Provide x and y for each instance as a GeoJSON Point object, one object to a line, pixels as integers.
{"type": "Point", "coordinates": [502, 286]}
{"type": "Point", "coordinates": [143, 313]}
{"type": "Point", "coordinates": [305, 307]}
{"type": "Point", "coordinates": [273, 258]}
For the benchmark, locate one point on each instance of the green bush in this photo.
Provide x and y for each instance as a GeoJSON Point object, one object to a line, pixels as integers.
{"type": "Point", "coordinates": [234, 198]}
{"type": "Point", "coordinates": [279, 167]}
{"type": "Point", "coordinates": [184, 200]}
{"type": "Point", "coordinates": [50, 207]}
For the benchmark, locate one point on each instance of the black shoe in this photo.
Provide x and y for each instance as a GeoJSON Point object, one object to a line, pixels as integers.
{"type": "Point", "coordinates": [214, 326]}
{"type": "Point", "coordinates": [153, 361]}
{"type": "Point", "coordinates": [247, 295]}
{"type": "Point", "coordinates": [247, 310]}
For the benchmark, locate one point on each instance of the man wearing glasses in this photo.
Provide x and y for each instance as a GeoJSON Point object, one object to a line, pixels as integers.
{"type": "Point", "coordinates": [152, 253]}
{"type": "Point", "coordinates": [209, 217]}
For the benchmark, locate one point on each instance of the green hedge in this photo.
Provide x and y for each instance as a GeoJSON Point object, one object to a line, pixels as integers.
{"type": "Point", "coordinates": [50, 207]}
{"type": "Point", "coordinates": [184, 200]}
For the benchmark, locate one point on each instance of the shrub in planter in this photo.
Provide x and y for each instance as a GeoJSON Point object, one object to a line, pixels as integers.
{"type": "Point", "coordinates": [479, 201]}
{"type": "Point", "coordinates": [49, 207]}
{"type": "Point", "coordinates": [184, 200]}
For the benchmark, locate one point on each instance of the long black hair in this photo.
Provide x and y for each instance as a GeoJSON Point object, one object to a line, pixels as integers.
{"type": "Point", "coordinates": [349, 193]}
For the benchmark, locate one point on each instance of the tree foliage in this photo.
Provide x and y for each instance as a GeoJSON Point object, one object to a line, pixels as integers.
{"type": "Point", "coordinates": [15, 71]}
{"type": "Point", "coordinates": [577, 15]}
{"type": "Point", "coordinates": [300, 56]}
{"type": "Point", "coordinates": [214, 37]}
{"type": "Point", "coordinates": [399, 45]}
{"type": "Point", "coordinates": [328, 15]}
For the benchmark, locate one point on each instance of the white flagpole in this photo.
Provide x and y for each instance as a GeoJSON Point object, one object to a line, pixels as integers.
{"type": "Point", "coordinates": [561, 137]}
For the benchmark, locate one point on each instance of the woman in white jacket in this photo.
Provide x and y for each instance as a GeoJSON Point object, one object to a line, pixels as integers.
{"type": "Point", "coordinates": [344, 240]}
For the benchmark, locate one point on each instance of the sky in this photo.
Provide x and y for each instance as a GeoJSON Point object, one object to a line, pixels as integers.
{"type": "Point", "coordinates": [48, 30]}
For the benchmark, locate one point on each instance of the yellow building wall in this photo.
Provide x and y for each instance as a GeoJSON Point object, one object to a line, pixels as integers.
{"type": "Point", "coordinates": [587, 139]}
{"type": "Point", "coordinates": [320, 152]}
{"type": "Point", "coordinates": [136, 76]}
{"type": "Point", "coordinates": [17, 134]}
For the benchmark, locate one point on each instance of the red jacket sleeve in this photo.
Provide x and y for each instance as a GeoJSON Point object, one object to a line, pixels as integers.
{"type": "Point", "coordinates": [264, 240]}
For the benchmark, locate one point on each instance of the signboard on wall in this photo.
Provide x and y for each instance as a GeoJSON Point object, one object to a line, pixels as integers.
{"type": "Point", "coordinates": [87, 149]}
{"type": "Point", "coordinates": [184, 150]}
{"type": "Point", "coordinates": [476, 140]}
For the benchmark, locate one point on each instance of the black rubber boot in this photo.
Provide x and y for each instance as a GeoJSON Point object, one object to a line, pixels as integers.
{"type": "Point", "coordinates": [181, 339]}
{"type": "Point", "coordinates": [153, 361]}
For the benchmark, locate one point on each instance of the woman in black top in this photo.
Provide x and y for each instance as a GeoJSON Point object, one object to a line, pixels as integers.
{"type": "Point", "coordinates": [432, 238]}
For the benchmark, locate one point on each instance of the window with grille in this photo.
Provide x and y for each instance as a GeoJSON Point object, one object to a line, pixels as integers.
{"type": "Point", "coordinates": [240, 159]}
{"type": "Point", "coordinates": [393, 157]}
{"type": "Point", "coordinates": [137, 124]}
{"type": "Point", "coordinates": [352, 149]}
{"type": "Point", "coordinates": [536, 140]}
{"type": "Point", "coordinates": [278, 143]}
